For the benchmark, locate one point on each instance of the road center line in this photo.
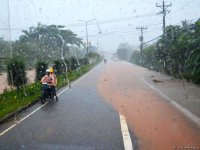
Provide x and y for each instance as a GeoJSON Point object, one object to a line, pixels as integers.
{"type": "Point", "coordinates": [125, 133]}
{"type": "Point", "coordinates": [186, 112]}
{"type": "Point", "coordinates": [18, 122]}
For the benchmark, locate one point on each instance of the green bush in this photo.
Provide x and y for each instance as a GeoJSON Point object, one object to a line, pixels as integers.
{"type": "Point", "coordinates": [73, 64]}
{"type": "Point", "coordinates": [41, 67]}
{"type": "Point", "coordinates": [58, 67]}
{"type": "Point", "coordinates": [84, 61]}
{"type": "Point", "coordinates": [92, 54]}
{"type": "Point", "coordinates": [16, 72]}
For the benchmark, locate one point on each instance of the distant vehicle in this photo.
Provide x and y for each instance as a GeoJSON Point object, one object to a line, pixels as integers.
{"type": "Point", "coordinates": [123, 54]}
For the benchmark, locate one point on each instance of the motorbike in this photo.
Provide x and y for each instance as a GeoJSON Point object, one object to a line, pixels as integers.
{"type": "Point", "coordinates": [47, 93]}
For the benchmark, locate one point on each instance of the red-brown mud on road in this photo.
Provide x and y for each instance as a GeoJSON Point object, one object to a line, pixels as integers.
{"type": "Point", "coordinates": [155, 122]}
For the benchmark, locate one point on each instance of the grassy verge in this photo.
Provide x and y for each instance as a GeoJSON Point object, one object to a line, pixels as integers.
{"type": "Point", "coordinates": [11, 101]}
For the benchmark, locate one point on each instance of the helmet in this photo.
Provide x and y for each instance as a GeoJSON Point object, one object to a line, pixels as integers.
{"type": "Point", "coordinates": [47, 70]}
{"type": "Point", "coordinates": [51, 69]}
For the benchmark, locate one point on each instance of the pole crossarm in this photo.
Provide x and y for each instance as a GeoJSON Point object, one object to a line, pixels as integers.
{"type": "Point", "coordinates": [164, 13]}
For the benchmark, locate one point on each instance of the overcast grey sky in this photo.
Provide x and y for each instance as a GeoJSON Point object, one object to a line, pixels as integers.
{"type": "Point", "coordinates": [117, 19]}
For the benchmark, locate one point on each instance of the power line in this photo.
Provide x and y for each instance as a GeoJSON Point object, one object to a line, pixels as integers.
{"type": "Point", "coordinates": [99, 28]}
{"type": "Point", "coordinates": [130, 27]}
{"type": "Point", "coordinates": [121, 32]}
{"type": "Point", "coordinates": [152, 39]}
{"type": "Point", "coordinates": [109, 33]}
{"type": "Point", "coordinates": [182, 7]}
{"type": "Point", "coordinates": [131, 30]}
{"type": "Point", "coordinates": [115, 20]}
{"type": "Point", "coordinates": [100, 22]}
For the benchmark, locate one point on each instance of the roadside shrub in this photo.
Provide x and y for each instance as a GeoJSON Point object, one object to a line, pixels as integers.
{"type": "Point", "coordinates": [92, 54]}
{"type": "Point", "coordinates": [41, 67]}
{"type": "Point", "coordinates": [84, 61]}
{"type": "Point", "coordinates": [196, 76]}
{"type": "Point", "coordinates": [16, 72]}
{"type": "Point", "coordinates": [58, 67]}
{"type": "Point", "coordinates": [73, 63]}
{"type": "Point", "coordinates": [93, 57]}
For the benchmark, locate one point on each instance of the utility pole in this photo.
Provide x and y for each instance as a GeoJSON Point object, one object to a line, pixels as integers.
{"type": "Point", "coordinates": [86, 23]}
{"type": "Point", "coordinates": [164, 12]}
{"type": "Point", "coordinates": [141, 39]}
{"type": "Point", "coordinates": [9, 27]}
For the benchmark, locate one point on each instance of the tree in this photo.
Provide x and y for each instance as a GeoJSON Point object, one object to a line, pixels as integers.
{"type": "Point", "coordinates": [178, 53]}
{"type": "Point", "coordinates": [136, 57]}
{"type": "Point", "coordinates": [16, 72]}
{"type": "Point", "coordinates": [41, 67]}
{"type": "Point", "coordinates": [58, 67]}
{"type": "Point", "coordinates": [193, 62]}
{"type": "Point", "coordinates": [45, 42]}
{"type": "Point", "coordinates": [150, 60]}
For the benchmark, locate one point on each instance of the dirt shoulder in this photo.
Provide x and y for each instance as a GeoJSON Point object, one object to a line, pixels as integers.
{"type": "Point", "coordinates": [184, 93]}
{"type": "Point", "coordinates": [155, 121]}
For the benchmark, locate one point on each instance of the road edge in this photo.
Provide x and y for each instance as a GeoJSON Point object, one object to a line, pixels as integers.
{"type": "Point", "coordinates": [194, 118]}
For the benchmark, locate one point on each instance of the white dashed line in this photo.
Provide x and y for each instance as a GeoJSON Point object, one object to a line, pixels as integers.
{"type": "Point", "coordinates": [125, 133]}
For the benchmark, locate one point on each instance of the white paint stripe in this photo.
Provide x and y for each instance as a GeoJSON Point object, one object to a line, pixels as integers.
{"type": "Point", "coordinates": [186, 112]}
{"type": "Point", "coordinates": [63, 91]}
{"type": "Point", "coordinates": [18, 122]}
{"type": "Point", "coordinates": [125, 133]}
{"type": "Point", "coordinates": [2, 133]}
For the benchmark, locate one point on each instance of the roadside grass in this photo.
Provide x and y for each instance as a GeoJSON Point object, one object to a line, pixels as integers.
{"type": "Point", "coordinates": [13, 100]}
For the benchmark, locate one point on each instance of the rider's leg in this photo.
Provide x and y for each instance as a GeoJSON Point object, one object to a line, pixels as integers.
{"type": "Point", "coordinates": [54, 90]}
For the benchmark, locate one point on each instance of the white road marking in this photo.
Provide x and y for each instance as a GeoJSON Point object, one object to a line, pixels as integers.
{"type": "Point", "coordinates": [63, 91]}
{"type": "Point", "coordinates": [2, 133]}
{"type": "Point", "coordinates": [18, 122]}
{"type": "Point", "coordinates": [125, 133]}
{"type": "Point", "coordinates": [186, 112]}
{"type": "Point", "coordinates": [12, 126]}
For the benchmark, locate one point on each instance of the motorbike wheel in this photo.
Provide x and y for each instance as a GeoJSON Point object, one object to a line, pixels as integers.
{"type": "Point", "coordinates": [42, 100]}
{"type": "Point", "coordinates": [56, 98]}
{"type": "Point", "coordinates": [51, 96]}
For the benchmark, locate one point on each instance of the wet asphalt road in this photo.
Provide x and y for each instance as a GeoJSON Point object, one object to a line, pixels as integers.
{"type": "Point", "coordinates": [81, 120]}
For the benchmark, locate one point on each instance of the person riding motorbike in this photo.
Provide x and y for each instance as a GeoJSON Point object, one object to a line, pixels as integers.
{"type": "Point", "coordinates": [46, 82]}
{"type": "Point", "coordinates": [53, 83]}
